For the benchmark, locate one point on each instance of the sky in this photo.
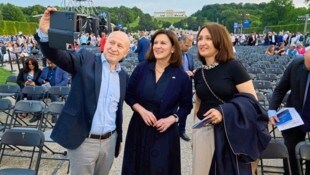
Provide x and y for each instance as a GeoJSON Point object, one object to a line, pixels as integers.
{"type": "Point", "coordinates": [147, 6]}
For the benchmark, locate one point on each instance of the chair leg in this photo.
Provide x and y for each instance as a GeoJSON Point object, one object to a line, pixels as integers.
{"type": "Point", "coordinates": [289, 166]}
{"type": "Point", "coordinates": [261, 166]}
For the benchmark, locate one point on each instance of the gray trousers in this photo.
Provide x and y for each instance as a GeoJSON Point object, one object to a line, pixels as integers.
{"type": "Point", "coordinates": [93, 156]}
{"type": "Point", "coordinates": [203, 149]}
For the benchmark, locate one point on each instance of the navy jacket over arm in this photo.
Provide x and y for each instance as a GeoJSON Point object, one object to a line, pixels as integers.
{"type": "Point", "coordinates": [242, 135]}
{"type": "Point", "coordinates": [74, 123]}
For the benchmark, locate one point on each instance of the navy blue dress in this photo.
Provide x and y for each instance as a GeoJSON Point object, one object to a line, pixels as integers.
{"type": "Point", "coordinates": [147, 151]}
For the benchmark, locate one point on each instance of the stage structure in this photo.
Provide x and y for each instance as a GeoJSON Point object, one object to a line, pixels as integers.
{"type": "Point", "coordinates": [88, 19]}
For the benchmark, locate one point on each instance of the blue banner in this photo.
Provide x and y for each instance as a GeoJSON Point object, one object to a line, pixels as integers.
{"type": "Point", "coordinates": [246, 23]}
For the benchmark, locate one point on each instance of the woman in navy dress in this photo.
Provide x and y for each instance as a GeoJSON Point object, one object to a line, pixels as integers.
{"type": "Point", "coordinates": [159, 92]}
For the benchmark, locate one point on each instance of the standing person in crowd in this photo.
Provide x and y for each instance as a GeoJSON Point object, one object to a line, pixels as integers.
{"type": "Point", "coordinates": [53, 76]}
{"type": "Point", "coordinates": [221, 80]}
{"type": "Point", "coordinates": [273, 38]}
{"type": "Point", "coordinates": [84, 38]}
{"type": "Point", "coordinates": [186, 42]}
{"type": "Point", "coordinates": [102, 41]}
{"type": "Point", "coordinates": [29, 76]}
{"type": "Point", "coordinates": [267, 39]}
{"type": "Point", "coordinates": [295, 79]}
{"type": "Point", "coordinates": [143, 46]}
{"type": "Point", "coordinates": [252, 39]}
{"type": "Point", "coordinates": [90, 125]}
{"type": "Point", "coordinates": [160, 93]}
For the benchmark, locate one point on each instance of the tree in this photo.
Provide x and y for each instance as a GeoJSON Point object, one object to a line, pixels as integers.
{"type": "Point", "coordinates": [276, 12]}
{"type": "Point", "coordinates": [1, 17]}
{"type": "Point", "coordinates": [12, 13]}
{"type": "Point", "coordinates": [147, 23]}
{"type": "Point", "coordinates": [29, 12]}
{"type": "Point", "coordinates": [166, 24]}
{"type": "Point", "coordinates": [230, 16]}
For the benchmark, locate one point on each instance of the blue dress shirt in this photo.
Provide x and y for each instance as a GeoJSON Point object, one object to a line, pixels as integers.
{"type": "Point", "coordinates": [109, 95]}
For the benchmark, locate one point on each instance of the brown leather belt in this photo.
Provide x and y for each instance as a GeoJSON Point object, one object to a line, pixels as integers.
{"type": "Point", "coordinates": [101, 137]}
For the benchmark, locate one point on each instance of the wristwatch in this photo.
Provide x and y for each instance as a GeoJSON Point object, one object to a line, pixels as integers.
{"type": "Point", "coordinates": [176, 117]}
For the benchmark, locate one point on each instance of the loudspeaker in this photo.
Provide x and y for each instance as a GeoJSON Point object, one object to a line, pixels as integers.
{"type": "Point", "coordinates": [95, 26]}
{"type": "Point", "coordinates": [104, 22]}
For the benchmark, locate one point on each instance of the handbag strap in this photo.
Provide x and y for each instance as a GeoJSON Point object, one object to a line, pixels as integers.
{"type": "Point", "coordinates": [205, 80]}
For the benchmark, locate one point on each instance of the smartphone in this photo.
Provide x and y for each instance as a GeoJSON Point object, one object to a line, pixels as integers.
{"type": "Point", "coordinates": [62, 28]}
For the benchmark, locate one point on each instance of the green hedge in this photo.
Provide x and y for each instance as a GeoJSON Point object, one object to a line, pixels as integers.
{"type": "Point", "coordinates": [13, 27]}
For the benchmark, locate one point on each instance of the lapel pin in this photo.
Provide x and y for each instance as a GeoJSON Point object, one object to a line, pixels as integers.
{"type": "Point", "coordinates": [173, 77]}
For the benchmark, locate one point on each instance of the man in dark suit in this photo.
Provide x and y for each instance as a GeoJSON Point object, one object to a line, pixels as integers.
{"type": "Point", "coordinates": [296, 78]}
{"type": "Point", "coordinates": [53, 76]}
{"type": "Point", "coordinates": [186, 42]}
{"type": "Point", "coordinates": [143, 46]}
{"type": "Point", "coordinates": [90, 125]}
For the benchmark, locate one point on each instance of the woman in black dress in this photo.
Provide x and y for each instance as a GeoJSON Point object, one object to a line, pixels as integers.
{"type": "Point", "coordinates": [225, 77]}
{"type": "Point", "coordinates": [159, 92]}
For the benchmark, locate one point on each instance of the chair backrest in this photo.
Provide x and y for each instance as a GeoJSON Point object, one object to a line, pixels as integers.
{"type": "Point", "coordinates": [302, 152]}
{"type": "Point", "coordinates": [261, 84]}
{"type": "Point", "coordinates": [27, 106]}
{"type": "Point", "coordinates": [6, 88]}
{"type": "Point", "coordinates": [59, 90]}
{"type": "Point", "coordinates": [277, 71]}
{"type": "Point", "coordinates": [255, 70]}
{"type": "Point", "coordinates": [267, 77]}
{"type": "Point", "coordinates": [55, 107]}
{"type": "Point", "coordinates": [275, 150]}
{"type": "Point", "coordinates": [5, 104]}
{"type": "Point", "coordinates": [262, 99]}
{"type": "Point", "coordinates": [5, 107]}
{"type": "Point", "coordinates": [11, 79]}
{"type": "Point", "coordinates": [25, 138]}
{"type": "Point", "coordinates": [33, 90]}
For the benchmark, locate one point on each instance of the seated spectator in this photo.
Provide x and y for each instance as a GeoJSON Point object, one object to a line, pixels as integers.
{"type": "Point", "coordinates": [280, 50]}
{"type": "Point", "coordinates": [53, 76]}
{"type": "Point", "coordinates": [300, 49]}
{"type": "Point", "coordinates": [270, 50]}
{"type": "Point", "coordinates": [28, 76]}
{"type": "Point", "coordinates": [291, 52]}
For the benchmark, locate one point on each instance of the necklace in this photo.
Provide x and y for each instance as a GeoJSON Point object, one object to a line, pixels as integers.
{"type": "Point", "coordinates": [207, 67]}
{"type": "Point", "coordinates": [159, 71]}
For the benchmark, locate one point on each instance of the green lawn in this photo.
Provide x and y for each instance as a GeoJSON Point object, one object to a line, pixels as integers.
{"type": "Point", "coordinates": [3, 75]}
{"type": "Point", "coordinates": [170, 19]}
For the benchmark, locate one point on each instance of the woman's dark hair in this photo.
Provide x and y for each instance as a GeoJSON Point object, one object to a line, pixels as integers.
{"type": "Point", "coordinates": [221, 41]}
{"type": "Point", "coordinates": [33, 61]}
{"type": "Point", "coordinates": [176, 56]}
